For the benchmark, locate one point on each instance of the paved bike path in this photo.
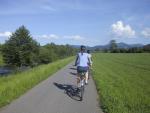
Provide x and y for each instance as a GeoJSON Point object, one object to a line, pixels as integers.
{"type": "Point", "coordinates": [56, 95]}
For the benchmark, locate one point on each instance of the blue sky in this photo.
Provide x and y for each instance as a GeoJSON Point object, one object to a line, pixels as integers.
{"type": "Point", "coordinates": [88, 22]}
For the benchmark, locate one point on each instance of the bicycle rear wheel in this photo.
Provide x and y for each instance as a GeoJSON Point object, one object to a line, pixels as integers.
{"type": "Point", "coordinates": [81, 92]}
{"type": "Point", "coordinates": [82, 83]}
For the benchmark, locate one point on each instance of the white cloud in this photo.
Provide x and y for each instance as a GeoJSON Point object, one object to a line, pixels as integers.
{"type": "Point", "coordinates": [48, 7]}
{"type": "Point", "coordinates": [75, 37]}
{"type": "Point", "coordinates": [67, 37]}
{"type": "Point", "coordinates": [62, 39]}
{"type": "Point", "coordinates": [5, 34]}
{"type": "Point", "coordinates": [119, 29]}
{"type": "Point", "coordinates": [146, 32]}
{"type": "Point", "coordinates": [51, 36]}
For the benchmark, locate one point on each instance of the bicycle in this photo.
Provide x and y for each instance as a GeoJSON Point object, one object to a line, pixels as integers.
{"type": "Point", "coordinates": [82, 83]}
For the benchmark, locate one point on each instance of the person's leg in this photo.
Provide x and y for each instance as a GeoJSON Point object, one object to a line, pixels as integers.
{"type": "Point", "coordinates": [86, 77]}
{"type": "Point", "coordinates": [78, 80]}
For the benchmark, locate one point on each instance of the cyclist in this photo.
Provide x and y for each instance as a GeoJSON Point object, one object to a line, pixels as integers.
{"type": "Point", "coordinates": [82, 62]}
{"type": "Point", "coordinates": [90, 57]}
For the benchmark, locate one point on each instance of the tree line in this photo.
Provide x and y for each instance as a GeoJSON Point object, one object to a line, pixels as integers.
{"type": "Point", "coordinates": [22, 50]}
{"type": "Point", "coordinates": [115, 49]}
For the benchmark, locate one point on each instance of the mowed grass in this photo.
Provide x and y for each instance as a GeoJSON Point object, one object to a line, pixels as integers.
{"type": "Point", "coordinates": [123, 82]}
{"type": "Point", "coordinates": [13, 86]}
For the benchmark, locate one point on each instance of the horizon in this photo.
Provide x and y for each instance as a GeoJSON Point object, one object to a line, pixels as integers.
{"type": "Point", "coordinates": [116, 43]}
{"type": "Point", "coordinates": [76, 22]}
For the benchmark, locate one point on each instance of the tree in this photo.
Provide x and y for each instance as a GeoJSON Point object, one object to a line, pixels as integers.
{"type": "Point", "coordinates": [1, 46]}
{"type": "Point", "coordinates": [47, 55]}
{"type": "Point", "coordinates": [146, 48]}
{"type": "Point", "coordinates": [21, 49]}
{"type": "Point", "coordinates": [113, 46]}
{"type": "Point", "coordinates": [51, 52]}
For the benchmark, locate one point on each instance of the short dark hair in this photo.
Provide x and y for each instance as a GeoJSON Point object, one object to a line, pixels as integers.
{"type": "Point", "coordinates": [83, 48]}
{"type": "Point", "coordinates": [88, 51]}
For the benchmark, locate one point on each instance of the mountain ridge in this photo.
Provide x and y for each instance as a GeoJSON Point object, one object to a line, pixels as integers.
{"type": "Point", "coordinates": [106, 46]}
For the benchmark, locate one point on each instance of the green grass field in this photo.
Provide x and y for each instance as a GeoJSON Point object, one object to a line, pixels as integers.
{"type": "Point", "coordinates": [13, 86]}
{"type": "Point", "coordinates": [123, 82]}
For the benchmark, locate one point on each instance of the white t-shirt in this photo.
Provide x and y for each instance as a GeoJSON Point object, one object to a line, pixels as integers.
{"type": "Point", "coordinates": [83, 59]}
{"type": "Point", "coordinates": [90, 57]}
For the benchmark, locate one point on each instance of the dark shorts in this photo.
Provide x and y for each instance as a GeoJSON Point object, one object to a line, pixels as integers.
{"type": "Point", "coordinates": [82, 69]}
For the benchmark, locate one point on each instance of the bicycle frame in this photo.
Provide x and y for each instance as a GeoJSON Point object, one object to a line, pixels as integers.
{"type": "Point", "coordinates": [82, 83]}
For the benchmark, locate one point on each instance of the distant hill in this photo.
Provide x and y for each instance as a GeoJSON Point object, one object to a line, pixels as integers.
{"type": "Point", "coordinates": [120, 45]}
{"type": "Point", "coordinates": [124, 45]}
{"type": "Point", "coordinates": [78, 46]}
{"type": "Point", "coordinates": [75, 46]}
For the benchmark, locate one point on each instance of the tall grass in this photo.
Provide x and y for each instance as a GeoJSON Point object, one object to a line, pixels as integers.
{"type": "Point", "coordinates": [13, 86]}
{"type": "Point", "coordinates": [123, 82]}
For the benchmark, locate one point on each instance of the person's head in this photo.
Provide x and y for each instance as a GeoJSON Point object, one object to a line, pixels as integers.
{"type": "Point", "coordinates": [88, 51]}
{"type": "Point", "coordinates": [82, 48]}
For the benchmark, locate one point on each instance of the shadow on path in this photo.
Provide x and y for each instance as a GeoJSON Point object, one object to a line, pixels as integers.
{"type": "Point", "coordinates": [72, 73]}
{"type": "Point", "coordinates": [70, 90]}
{"type": "Point", "coordinates": [73, 68]}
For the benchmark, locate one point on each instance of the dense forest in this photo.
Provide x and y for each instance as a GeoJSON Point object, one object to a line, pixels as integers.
{"type": "Point", "coordinates": [22, 50]}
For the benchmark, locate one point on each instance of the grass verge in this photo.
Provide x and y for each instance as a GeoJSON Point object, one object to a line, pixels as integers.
{"type": "Point", "coordinates": [13, 86]}
{"type": "Point", "coordinates": [123, 82]}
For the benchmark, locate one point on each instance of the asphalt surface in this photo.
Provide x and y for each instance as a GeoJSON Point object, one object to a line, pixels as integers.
{"type": "Point", "coordinates": [57, 95]}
